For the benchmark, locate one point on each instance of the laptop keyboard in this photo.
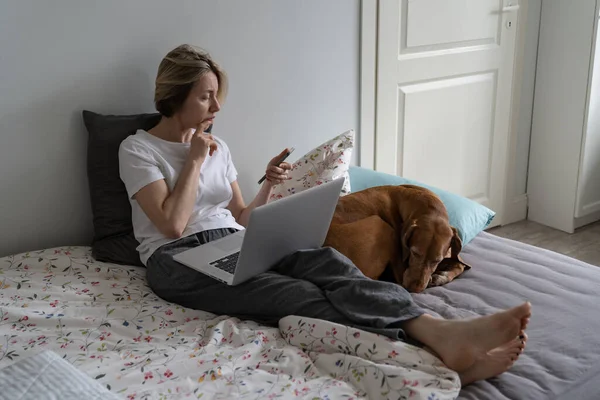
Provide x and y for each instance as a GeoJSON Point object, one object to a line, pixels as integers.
{"type": "Point", "coordinates": [227, 263]}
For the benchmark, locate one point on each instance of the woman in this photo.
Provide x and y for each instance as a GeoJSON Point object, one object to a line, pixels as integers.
{"type": "Point", "coordinates": [183, 190]}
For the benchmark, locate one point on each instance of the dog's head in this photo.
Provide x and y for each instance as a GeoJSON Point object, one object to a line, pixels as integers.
{"type": "Point", "coordinates": [425, 243]}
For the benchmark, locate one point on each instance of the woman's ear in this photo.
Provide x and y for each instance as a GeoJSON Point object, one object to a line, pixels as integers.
{"type": "Point", "coordinates": [408, 228]}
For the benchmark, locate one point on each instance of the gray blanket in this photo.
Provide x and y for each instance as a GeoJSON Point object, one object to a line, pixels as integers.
{"type": "Point", "coordinates": [562, 359]}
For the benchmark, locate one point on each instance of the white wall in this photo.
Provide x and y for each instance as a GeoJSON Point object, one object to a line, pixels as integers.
{"type": "Point", "coordinates": [293, 68]}
{"type": "Point", "coordinates": [588, 186]}
{"type": "Point", "coordinates": [561, 90]}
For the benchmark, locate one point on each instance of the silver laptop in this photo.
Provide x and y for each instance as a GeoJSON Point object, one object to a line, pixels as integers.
{"type": "Point", "coordinates": [275, 230]}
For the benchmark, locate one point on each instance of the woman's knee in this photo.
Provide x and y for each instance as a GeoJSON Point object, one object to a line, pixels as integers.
{"type": "Point", "coordinates": [342, 261]}
{"type": "Point", "coordinates": [327, 253]}
{"type": "Point", "coordinates": [325, 260]}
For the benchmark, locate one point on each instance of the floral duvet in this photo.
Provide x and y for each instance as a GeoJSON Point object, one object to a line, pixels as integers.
{"type": "Point", "coordinates": [104, 319]}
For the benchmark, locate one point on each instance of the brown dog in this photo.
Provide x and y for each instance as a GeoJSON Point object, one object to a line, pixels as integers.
{"type": "Point", "coordinates": [403, 227]}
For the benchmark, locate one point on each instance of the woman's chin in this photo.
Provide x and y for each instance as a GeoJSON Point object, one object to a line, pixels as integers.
{"type": "Point", "coordinates": [205, 126]}
{"type": "Point", "coordinates": [201, 127]}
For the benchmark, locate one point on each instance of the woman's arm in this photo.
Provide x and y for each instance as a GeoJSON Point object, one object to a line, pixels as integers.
{"type": "Point", "coordinates": [239, 210]}
{"type": "Point", "coordinates": [170, 212]}
{"type": "Point", "coordinates": [276, 174]}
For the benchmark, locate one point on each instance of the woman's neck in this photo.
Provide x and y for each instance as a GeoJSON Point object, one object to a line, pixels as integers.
{"type": "Point", "coordinates": [169, 129]}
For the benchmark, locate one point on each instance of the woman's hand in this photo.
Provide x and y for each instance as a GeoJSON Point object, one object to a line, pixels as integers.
{"type": "Point", "coordinates": [277, 174]}
{"type": "Point", "coordinates": [202, 145]}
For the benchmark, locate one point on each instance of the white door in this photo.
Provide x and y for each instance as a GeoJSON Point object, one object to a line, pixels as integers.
{"type": "Point", "coordinates": [444, 78]}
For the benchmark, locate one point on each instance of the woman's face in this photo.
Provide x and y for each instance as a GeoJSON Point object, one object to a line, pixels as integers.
{"type": "Point", "coordinates": [199, 109]}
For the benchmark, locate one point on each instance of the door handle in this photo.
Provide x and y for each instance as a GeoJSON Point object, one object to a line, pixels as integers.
{"type": "Point", "coordinates": [511, 8]}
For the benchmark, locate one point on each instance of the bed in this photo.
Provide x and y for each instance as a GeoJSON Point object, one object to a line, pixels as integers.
{"type": "Point", "coordinates": [104, 320]}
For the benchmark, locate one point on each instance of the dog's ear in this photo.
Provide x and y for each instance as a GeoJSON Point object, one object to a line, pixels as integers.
{"type": "Point", "coordinates": [408, 229]}
{"type": "Point", "coordinates": [456, 248]}
{"type": "Point", "coordinates": [455, 244]}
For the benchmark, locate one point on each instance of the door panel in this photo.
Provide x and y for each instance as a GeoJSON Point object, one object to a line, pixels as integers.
{"type": "Point", "coordinates": [444, 78]}
{"type": "Point", "coordinates": [436, 23]}
{"type": "Point", "coordinates": [448, 132]}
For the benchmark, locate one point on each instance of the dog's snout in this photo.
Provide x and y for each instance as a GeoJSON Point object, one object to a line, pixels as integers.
{"type": "Point", "coordinates": [417, 285]}
{"type": "Point", "coordinates": [416, 288]}
{"type": "Point", "coordinates": [416, 280]}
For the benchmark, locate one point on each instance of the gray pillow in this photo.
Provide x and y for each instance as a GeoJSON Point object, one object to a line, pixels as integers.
{"type": "Point", "coordinates": [113, 232]}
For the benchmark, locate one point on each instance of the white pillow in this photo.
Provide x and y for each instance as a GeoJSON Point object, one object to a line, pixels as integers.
{"type": "Point", "coordinates": [323, 164]}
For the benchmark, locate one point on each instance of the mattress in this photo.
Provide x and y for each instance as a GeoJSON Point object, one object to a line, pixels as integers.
{"type": "Point", "coordinates": [562, 359]}
{"type": "Point", "coordinates": [105, 321]}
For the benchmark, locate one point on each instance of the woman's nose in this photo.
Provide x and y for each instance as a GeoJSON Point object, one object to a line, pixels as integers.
{"type": "Point", "coordinates": [216, 106]}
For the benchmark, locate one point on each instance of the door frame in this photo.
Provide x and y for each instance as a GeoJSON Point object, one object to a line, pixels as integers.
{"type": "Point", "coordinates": [368, 81]}
{"type": "Point", "coordinates": [515, 206]}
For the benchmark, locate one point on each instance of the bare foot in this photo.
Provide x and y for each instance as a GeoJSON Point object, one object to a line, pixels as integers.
{"type": "Point", "coordinates": [495, 362]}
{"type": "Point", "coordinates": [461, 343]}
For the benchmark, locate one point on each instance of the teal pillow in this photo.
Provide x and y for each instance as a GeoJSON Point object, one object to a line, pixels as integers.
{"type": "Point", "coordinates": [467, 216]}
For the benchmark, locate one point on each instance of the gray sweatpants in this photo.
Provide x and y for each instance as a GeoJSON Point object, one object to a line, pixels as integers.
{"type": "Point", "coordinates": [319, 283]}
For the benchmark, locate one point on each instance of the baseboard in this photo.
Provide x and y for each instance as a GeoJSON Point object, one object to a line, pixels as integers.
{"type": "Point", "coordinates": [516, 210]}
{"type": "Point", "coordinates": [588, 219]}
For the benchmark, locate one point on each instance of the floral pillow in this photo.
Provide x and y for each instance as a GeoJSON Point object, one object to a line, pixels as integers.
{"type": "Point", "coordinates": [327, 162]}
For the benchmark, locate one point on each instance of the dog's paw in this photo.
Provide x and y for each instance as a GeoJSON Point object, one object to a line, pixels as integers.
{"type": "Point", "coordinates": [439, 279]}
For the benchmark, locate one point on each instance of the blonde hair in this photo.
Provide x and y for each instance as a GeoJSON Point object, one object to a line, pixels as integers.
{"type": "Point", "coordinates": [177, 73]}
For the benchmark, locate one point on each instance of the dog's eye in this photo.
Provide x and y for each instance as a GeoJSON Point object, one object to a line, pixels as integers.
{"type": "Point", "coordinates": [415, 252]}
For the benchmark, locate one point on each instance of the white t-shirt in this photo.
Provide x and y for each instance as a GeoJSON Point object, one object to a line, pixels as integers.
{"type": "Point", "coordinates": [144, 158]}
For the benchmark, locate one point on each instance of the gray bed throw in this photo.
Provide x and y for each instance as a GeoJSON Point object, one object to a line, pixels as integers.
{"type": "Point", "coordinates": [562, 359]}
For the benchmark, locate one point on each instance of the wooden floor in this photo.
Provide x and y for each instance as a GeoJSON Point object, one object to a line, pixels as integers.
{"type": "Point", "coordinates": [583, 245]}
